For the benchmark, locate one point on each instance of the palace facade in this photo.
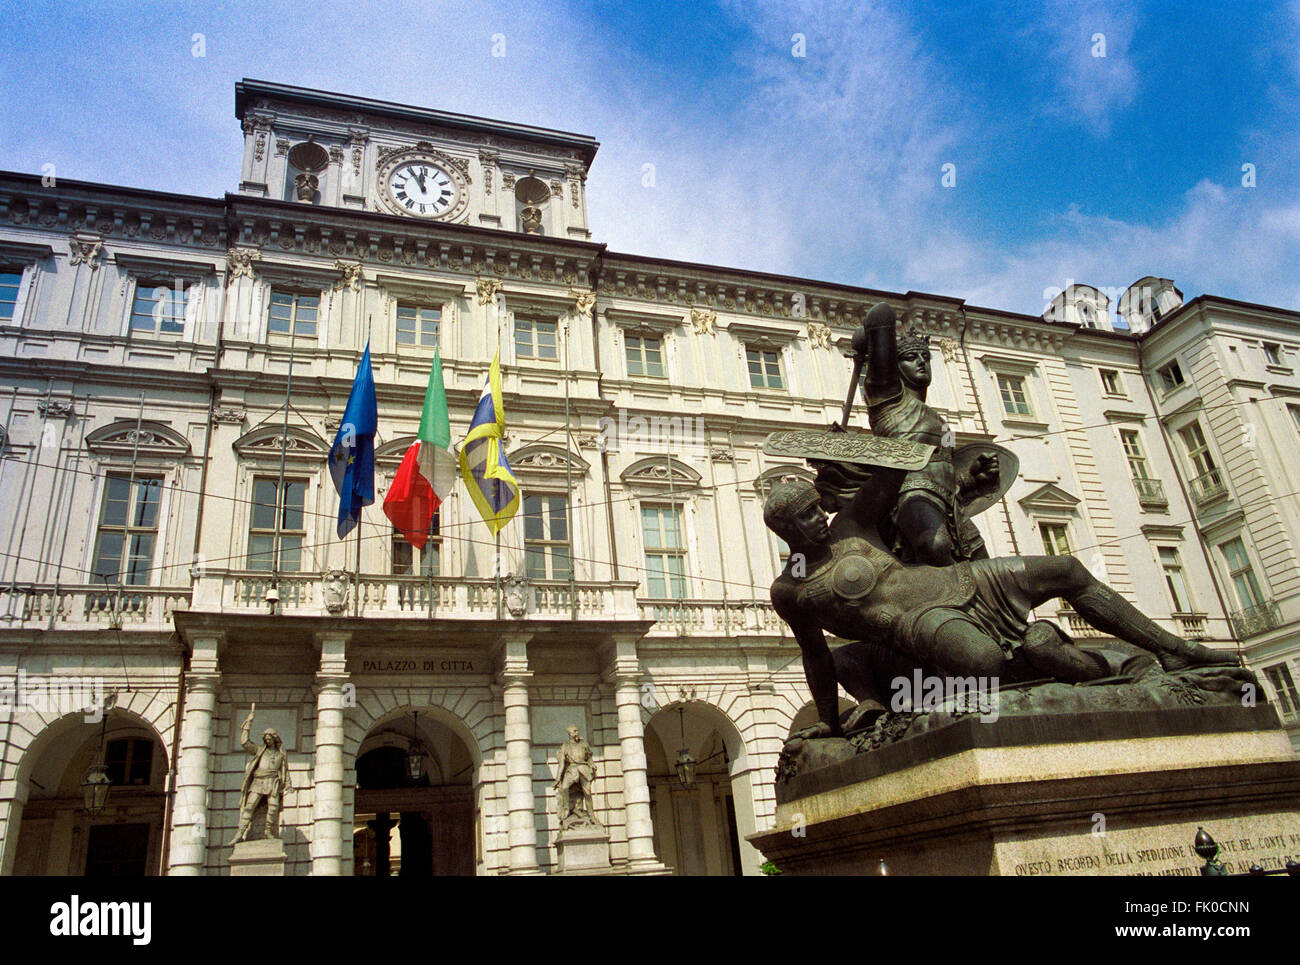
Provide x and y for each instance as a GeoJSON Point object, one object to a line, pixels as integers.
{"type": "Point", "coordinates": [169, 527]}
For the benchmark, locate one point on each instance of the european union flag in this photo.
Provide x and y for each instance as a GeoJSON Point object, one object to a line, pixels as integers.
{"type": "Point", "coordinates": [352, 457]}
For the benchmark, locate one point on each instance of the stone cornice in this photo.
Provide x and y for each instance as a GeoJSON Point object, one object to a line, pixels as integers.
{"type": "Point", "coordinates": [379, 239]}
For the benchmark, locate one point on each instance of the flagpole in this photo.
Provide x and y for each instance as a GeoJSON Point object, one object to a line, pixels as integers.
{"type": "Point", "coordinates": [568, 474]}
{"type": "Point", "coordinates": [281, 497]}
{"type": "Point", "coordinates": [356, 583]}
{"type": "Point", "coordinates": [496, 563]}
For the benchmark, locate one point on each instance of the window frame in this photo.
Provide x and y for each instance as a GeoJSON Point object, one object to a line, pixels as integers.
{"type": "Point", "coordinates": [1114, 386]}
{"type": "Point", "coordinates": [20, 272]}
{"type": "Point", "coordinates": [419, 322]}
{"type": "Point", "coordinates": [547, 545]}
{"type": "Point", "coordinates": [295, 293]}
{"type": "Point", "coordinates": [534, 345]}
{"type": "Point", "coordinates": [1273, 355]}
{"type": "Point", "coordinates": [1049, 549]}
{"type": "Point", "coordinates": [128, 529]}
{"type": "Point", "coordinates": [1285, 691]}
{"type": "Point", "coordinates": [1246, 569]}
{"type": "Point", "coordinates": [641, 338]}
{"type": "Point", "coordinates": [765, 374]}
{"type": "Point", "coordinates": [678, 551]}
{"type": "Point", "coordinates": [430, 563]}
{"type": "Point", "coordinates": [1027, 398]}
{"type": "Point", "coordinates": [1181, 571]}
{"type": "Point", "coordinates": [152, 285]}
{"type": "Point", "coordinates": [270, 533]}
{"type": "Point", "coordinates": [1167, 373]}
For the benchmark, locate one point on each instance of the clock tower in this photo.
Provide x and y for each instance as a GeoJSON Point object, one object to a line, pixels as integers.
{"type": "Point", "coordinates": [327, 149]}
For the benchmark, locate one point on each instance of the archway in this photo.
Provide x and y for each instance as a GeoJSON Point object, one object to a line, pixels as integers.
{"type": "Point", "coordinates": [410, 825]}
{"type": "Point", "coordinates": [56, 834]}
{"type": "Point", "coordinates": [700, 830]}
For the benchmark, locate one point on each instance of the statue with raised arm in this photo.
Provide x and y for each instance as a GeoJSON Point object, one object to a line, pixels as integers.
{"type": "Point", "coordinates": [266, 779]}
{"type": "Point", "coordinates": [576, 769]}
{"type": "Point", "coordinates": [968, 619]}
{"type": "Point", "coordinates": [931, 522]}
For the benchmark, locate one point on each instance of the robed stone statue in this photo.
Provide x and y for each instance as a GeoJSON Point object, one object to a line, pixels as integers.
{"type": "Point", "coordinates": [266, 780]}
{"type": "Point", "coordinates": [576, 769]}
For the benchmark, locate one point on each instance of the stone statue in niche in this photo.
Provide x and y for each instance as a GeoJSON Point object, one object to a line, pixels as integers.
{"type": "Point", "coordinates": [576, 769]}
{"type": "Point", "coordinates": [530, 219]}
{"type": "Point", "coordinates": [266, 780]}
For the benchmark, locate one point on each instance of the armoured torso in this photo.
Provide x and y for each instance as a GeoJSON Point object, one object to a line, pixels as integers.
{"type": "Point", "coordinates": [861, 589]}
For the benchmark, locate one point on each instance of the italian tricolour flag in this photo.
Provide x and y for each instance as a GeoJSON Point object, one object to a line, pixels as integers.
{"type": "Point", "coordinates": [428, 469]}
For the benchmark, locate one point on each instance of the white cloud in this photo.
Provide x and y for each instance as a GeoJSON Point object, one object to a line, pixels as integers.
{"type": "Point", "coordinates": [1087, 61]}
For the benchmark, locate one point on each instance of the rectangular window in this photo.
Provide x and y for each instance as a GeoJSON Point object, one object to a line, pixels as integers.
{"type": "Point", "coordinates": [159, 307]}
{"type": "Point", "coordinates": [270, 500]}
{"type": "Point", "coordinates": [535, 339]}
{"type": "Point", "coordinates": [1110, 382]}
{"type": "Point", "coordinates": [1173, 567]}
{"type": "Point", "coordinates": [293, 313]}
{"type": "Point", "coordinates": [418, 326]}
{"type": "Point", "coordinates": [1171, 376]}
{"type": "Point", "coordinates": [1137, 460]}
{"type": "Point", "coordinates": [1279, 675]}
{"type": "Point", "coordinates": [404, 553]}
{"type": "Point", "coordinates": [129, 761]}
{"type": "Point", "coordinates": [1273, 353]}
{"type": "Point", "coordinates": [1015, 400]}
{"type": "Point", "coordinates": [764, 368]}
{"type": "Point", "coordinates": [644, 356]}
{"type": "Point", "coordinates": [1198, 451]}
{"type": "Point", "coordinates": [548, 554]}
{"type": "Point", "coordinates": [10, 281]}
{"type": "Point", "coordinates": [1242, 573]}
{"type": "Point", "coordinates": [1056, 541]}
{"type": "Point", "coordinates": [128, 530]}
{"type": "Point", "coordinates": [665, 554]}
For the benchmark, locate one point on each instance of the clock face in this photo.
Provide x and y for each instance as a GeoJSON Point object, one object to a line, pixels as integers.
{"type": "Point", "coordinates": [422, 188]}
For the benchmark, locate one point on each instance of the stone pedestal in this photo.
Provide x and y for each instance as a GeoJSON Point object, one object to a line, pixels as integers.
{"type": "Point", "coordinates": [1116, 793]}
{"type": "Point", "coordinates": [583, 851]}
{"type": "Point", "coordinates": [262, 858]}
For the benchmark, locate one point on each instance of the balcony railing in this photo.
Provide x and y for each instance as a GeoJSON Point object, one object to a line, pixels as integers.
{"type": "Point", "coordinates": [91, 607]}
{"type": "Point", "coordinates": [1208, 487]}
{"type": "Point", "coordinates": [1150, 492]}
{"type": "Point", "coordinates": [1256, 619]}
{"type": "Point", "coordinates": [1191, 626]}
{"type": "Point", "coordinates": [723, 617]}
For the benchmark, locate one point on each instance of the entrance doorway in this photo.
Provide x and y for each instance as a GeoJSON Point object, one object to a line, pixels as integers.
{"type": "Point", "coordinates": [408, 825]}
{"type": "Point", "coordinates": [699, 829]}
{"type": "Point", "coordinates": [56, 835]}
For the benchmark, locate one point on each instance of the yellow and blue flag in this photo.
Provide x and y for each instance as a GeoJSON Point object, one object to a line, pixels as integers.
{"type": "Point", "coordinates": [488, 477]}
{"type": "Point", "coordinates": [352, 457]}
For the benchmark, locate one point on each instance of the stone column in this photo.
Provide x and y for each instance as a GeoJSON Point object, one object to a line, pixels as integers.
{"type": "Point", "coordinates": [625, 669]}
{"type": "Point", "coordinates": [193, 770]}
{"type": "Point", "coordinates": [327, 774]}
{"type": "Point", "coordinates": [514, 677]}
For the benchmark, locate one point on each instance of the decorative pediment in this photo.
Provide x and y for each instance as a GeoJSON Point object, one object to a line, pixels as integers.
{"type": "Point", "coordinates": [395, 450]}
{"type": "Point", "coordinates": [266, 442]}
{"type": "Point", "coordinates": [779, 474]}
{"type": "Point", "coordinates": [153, 440]}
{"type": "Point", "coordinates": [660, 473]}
{"type": "Point", "coordinates": [541, 460]}
{"type": "Point", "coordinates": [1049, 498]}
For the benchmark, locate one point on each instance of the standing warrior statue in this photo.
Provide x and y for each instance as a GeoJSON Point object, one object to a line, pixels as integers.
{"type": "Point", "coordinates": [266, 778]}
{"type": "Point", "coordinates": [930, 523]}
{"type": "Point", "coordinates": [574, 804]}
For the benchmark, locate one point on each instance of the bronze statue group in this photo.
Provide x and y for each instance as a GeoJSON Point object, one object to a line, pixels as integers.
{"type": "Point", "coordinates": [889, 559]}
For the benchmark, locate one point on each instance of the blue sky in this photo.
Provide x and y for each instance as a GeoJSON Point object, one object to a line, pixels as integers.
{"type": "Point", "coordinates": [1068, 165]}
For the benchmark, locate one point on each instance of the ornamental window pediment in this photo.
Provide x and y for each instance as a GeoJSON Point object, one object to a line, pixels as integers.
{"type": "Point", "coordinates": [268, 442]}
{"type": "Point", "coordinates": [1050, 499]}
{"type": "Point", "coordinates": [660, 474]}
{"type": "Point", "coordinates": [547, 462]}
{"type": "Point", "coordinates": [151, 440]}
